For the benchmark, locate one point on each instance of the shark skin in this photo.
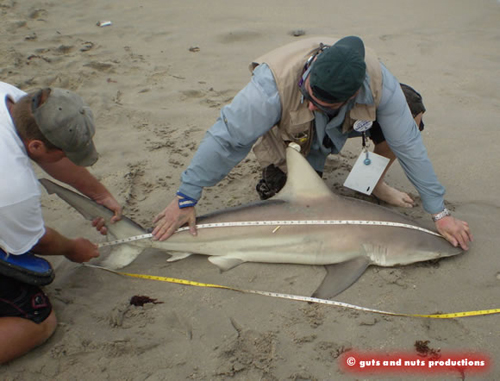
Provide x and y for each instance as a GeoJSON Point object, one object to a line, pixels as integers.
{"type": "Point", "coordinates": [345, 250]}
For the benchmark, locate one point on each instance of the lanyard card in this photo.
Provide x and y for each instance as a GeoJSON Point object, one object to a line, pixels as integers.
{"type": "Point", "coordinates": [366, 172]}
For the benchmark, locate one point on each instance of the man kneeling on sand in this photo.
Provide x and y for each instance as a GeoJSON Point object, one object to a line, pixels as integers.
{"type": "Point", "coordinates": [54, 128]}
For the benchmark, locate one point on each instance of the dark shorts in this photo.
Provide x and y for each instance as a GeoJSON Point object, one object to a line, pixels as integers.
{"type": "Point", "coordinates": [18, 299]}
{"type": "Point", "coordinates": [376, 134]}
{"type": "Point", "coordinates": [416, 105]}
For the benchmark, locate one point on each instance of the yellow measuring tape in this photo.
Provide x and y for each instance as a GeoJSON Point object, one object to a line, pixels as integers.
{"type": "Point", "coordinates": [302, 298]}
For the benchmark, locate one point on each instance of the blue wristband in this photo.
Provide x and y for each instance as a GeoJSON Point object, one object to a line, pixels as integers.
{"type": "Point", "coordinates": [185, 201]}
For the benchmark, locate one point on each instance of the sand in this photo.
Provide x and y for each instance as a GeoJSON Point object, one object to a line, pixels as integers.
{"type": "Point", "coordinates": [156, 79]}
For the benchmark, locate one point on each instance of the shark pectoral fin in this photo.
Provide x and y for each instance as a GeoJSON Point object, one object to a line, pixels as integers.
{"type": "Point", "coordinates": [225, 262]}
{"type": "Point", "coordinates": [178, 256]}
{"type": "Point", "coordinates": [341, 276]}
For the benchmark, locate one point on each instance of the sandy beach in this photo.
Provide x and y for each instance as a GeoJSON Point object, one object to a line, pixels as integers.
{"type": "Point", "coordinates": [156, 80]}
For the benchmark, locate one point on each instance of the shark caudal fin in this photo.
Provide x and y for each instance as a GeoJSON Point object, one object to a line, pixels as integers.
{"type": "Point", "coordinates": [91, 210]}
{"type": "Point", "coordinates": [86, 207]}
{"type": "Point", "coordinates": [120, 255]}
{"type": "Point", "coordinates": [302, 180]}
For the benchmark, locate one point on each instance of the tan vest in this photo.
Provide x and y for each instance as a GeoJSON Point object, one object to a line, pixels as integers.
{"type": "Point", "coordinates": [297, 121]}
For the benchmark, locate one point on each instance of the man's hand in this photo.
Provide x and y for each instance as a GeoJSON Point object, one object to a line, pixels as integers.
{"type": "Point", "coordinates": [82, 250]}
{"type": "Point", "coordinates": [83, 181]}
{"type": "Point", "coordinates": [109, 202]}
{"type": "Point", "coordinates": [457, 232]}
{"type": "Point", "coordinates": [172, 218]}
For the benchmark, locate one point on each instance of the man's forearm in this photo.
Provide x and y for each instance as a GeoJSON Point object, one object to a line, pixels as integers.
{"type": "Point", "coordinates": [77, 177]}
{"type": "Point", "coordinates": [53, 243]}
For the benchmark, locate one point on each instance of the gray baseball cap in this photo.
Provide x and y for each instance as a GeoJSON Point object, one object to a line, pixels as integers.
{"type": "Point", "coordinates": [68, 123]}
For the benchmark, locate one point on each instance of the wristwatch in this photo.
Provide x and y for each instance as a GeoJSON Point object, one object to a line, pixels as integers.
{"type": "Point", "coordinates": [440, 215]}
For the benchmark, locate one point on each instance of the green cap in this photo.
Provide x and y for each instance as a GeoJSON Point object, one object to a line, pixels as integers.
{"type": "Point", "coordinates": [339, 71]}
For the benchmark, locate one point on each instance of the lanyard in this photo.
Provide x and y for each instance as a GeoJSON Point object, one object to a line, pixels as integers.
{"type": "Point", "coordinates": [363, 126]}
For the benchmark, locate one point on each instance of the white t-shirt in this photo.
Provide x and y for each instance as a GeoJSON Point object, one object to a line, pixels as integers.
{"type": "Point", "coordinates": [21, 221]}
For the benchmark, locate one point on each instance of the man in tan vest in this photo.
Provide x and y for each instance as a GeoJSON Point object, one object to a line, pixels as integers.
{"type": "Point", "coordinates": [313, 92]}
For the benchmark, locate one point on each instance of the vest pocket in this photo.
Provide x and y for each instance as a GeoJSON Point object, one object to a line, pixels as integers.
{"type": "Point", "coordinates": [300, 129]}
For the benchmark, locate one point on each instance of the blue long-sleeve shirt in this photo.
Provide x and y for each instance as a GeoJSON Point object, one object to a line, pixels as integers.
{"type": "Point", "coordinates": [257, 108]}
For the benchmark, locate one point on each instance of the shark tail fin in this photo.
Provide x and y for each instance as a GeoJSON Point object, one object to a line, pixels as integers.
{"type": "Point", "coordinates": [120, 256]}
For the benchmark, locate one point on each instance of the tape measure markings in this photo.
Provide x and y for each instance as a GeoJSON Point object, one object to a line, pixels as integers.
{"type": "Point", "coordinates": [303, 298]}
{"type": "Point", "coordinates": [125, 240]}
{"type": "Point", "coordinates": [278, 224]}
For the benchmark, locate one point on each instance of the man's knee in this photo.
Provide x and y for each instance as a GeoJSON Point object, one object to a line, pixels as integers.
{"type": "Point", "coordinates": [20, 335]}
{"type": "Point", "coordinates": [48, 327]}
{"type": "Point", "coordinates": [42, 331]}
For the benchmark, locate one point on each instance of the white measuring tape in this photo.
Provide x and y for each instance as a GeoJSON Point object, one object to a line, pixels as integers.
{"type": "Point", "coordinates": [289, 296]}
{"type": "Point", "coordinates": [308, 299]}
{"type": "Point", "coordinates": [277, 224]}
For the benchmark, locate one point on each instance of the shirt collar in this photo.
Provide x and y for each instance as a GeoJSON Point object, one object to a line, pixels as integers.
{"type": "Point", "coordinates": [365, 96]}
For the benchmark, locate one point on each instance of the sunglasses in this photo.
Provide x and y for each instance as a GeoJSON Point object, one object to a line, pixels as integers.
{"type": "Point", "coordinates": [307, 96]}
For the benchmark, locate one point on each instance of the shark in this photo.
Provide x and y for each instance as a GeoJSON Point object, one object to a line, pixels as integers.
{"type": "Point", "coordinates": [305, 223]}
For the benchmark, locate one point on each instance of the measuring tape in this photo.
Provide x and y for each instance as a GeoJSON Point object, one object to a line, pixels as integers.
{"type": "Point", "coordinates": [289, 296]}
{"type": "Point", "coordinates": [277, 224]}
{"type": "Point", "coordinates": [125, 240]}
{"type": "Point", "coordinates": [307, 299]}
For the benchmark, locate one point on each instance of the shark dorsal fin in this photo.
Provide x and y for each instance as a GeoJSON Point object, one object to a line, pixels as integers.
{"type": "Point", "coordinates": [302, 180]}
